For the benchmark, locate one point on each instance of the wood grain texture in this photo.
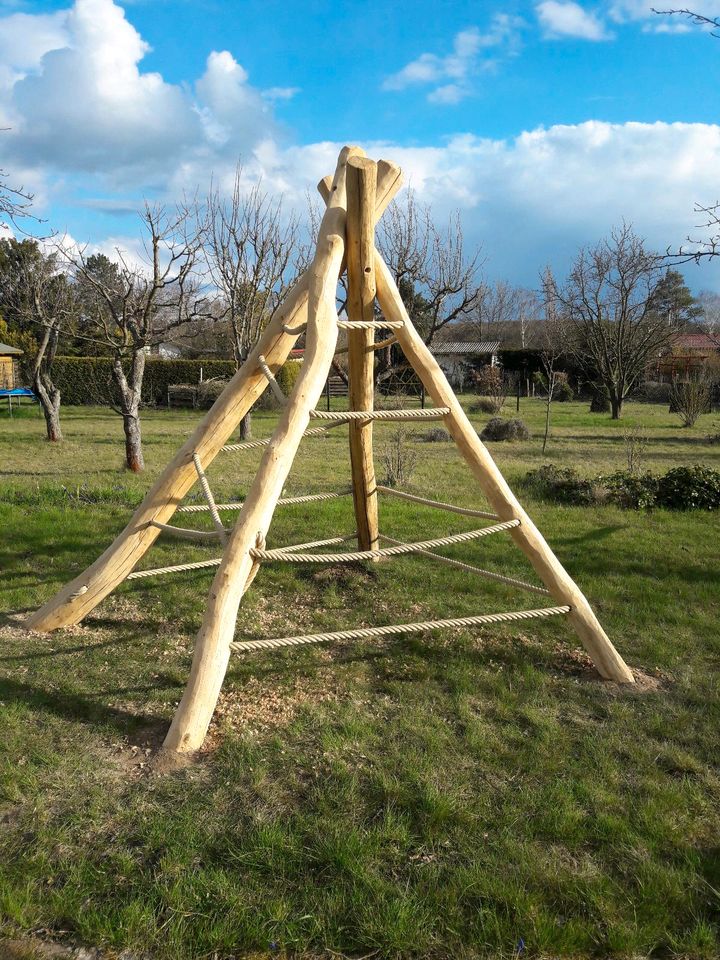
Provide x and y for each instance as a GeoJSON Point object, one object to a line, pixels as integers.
{"type": "Point", "coordinates": [212, 646]}
{"type": "Point", "coordinates": [360, 250]}
{"type": "Point", "coordinates": [552, 573]}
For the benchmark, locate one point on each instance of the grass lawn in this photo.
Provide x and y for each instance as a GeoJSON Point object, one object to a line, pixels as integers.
{"type": "Point", "coordinates": [476, 794]}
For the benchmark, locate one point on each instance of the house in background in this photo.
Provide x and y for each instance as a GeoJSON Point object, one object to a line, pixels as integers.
{"type": "Point", "coordinates": [9, 367]}
{"type": "Point", "coordinates": [688, 353]}
{"type": "Point", "coordinates": [461, 359]}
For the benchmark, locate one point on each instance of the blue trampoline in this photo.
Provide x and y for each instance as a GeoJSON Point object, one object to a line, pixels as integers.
{"type": "Point", "coordinates": [18, 392]}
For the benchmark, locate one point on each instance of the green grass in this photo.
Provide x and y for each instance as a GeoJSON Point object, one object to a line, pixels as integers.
{"type": "Point", "coordinates": [441, 795]}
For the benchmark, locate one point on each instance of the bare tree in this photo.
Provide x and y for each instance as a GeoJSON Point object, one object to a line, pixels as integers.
{"type": "Point", "coordinates": [248, 246]}
{"type": "Point", "coordinates": [698, 19]}
{"type": "Point", "coordinates": [503, 308]}
{"type": "Point", "coordinates": [14, 201]}
{"type": "Point", "coordinates": [129, 309]}
{"type": "Point", "coordinates": [36, 297]}
{"type": "Point", "coordinates": [553, 340]}
{"type": "Point", "coordinates": [439, 282]}
{"type": "Point", "coordinates": [606, 303]}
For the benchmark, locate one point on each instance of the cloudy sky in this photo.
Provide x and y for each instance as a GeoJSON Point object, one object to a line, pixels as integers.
{"type": "Point", "coordinates": [544, 122]}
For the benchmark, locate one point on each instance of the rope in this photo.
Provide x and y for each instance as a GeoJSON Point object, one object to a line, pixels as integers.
{"type": "Point", "coordinates": [281, 553]}
{"type": "Point", "coordinates": [294, 331]}
{"type": "Point", "coordinates": [466, 511]}
{"type": "Point", "coordinates": [157, 571]}
{"type": "Point", "coordinates": [274, 385]}
{"type": "Point", "coordinates": [430, 413]}
{"type": "Point", "coordinates": [252, 444]}
{"type": "Point", "coordinates": [210, 499]}
{"type": "Point", "coordinates": [184, 533]}
{"type": "Point", "coordinates": [380, 345]}
{"type": "Point", "coordinates": [282, 502]}
{"type": "Point", "coordinates": [370, 324]}
{"type": "Point", "coordinates": [393, 629]}
{"type": "Point", "coordinates": [320, 543]}
{"type": "Point", "coordinates": [488, 574]}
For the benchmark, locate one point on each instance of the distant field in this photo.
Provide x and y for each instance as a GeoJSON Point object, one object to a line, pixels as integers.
{"type": "Point", "coordinates": [476, 794]}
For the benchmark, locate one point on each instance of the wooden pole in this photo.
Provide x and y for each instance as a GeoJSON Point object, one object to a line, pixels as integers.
{"type": "Point", "coordinates": [79, 597]}
{"type": "Point", "coordinates": [360, 232]}
{"type": "Point", "coordinates": [212, 647]}
{"type": "Point", "coordinates": [561, 586]}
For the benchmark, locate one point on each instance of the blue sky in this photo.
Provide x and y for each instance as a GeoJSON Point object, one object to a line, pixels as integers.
{"type": "Point", "coordinates": [544, 122]}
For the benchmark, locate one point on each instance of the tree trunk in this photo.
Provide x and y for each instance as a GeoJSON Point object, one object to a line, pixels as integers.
{"type": "Point", "coordinates": [49, 397]}
{"type": "Point", "coordinates": [130, 394]}
{"type": "Point", "coordinates": [246, 427]}
{"type": "Point", "coordinates": [616, 406]}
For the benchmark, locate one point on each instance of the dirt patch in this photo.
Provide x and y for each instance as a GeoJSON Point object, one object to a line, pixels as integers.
{"type": "Point", "coordinates": [33, 948]}
{"type": "Point", "coordinates": [344, 575]}
{"type": "Point", "coordinates": [261, 705]}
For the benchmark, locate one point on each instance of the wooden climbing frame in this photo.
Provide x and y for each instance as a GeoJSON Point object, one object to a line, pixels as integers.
{"type": "Point", "coordinates": [355, 199]}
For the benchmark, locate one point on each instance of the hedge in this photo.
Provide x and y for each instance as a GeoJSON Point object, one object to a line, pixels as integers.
{"type": "Point", "coordinates": [88, 380]}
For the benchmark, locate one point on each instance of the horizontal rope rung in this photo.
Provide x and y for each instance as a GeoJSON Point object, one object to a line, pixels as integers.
{"type": "Point", "coordinates": [438, 504]}
{"type": "Point", "coordinates": [370, 324]}
{"type": "Point", "coordinates": [394, 629]}
{"type": "Point", "coordinates": [178, 568]}
{"type": "Point", "coordinates": [282, 554]}
{"type": "Point", "coordinates": [282, 502]}
{"type": "Point", "coordinates": [253, 444]}
{"type": "Point", "coordinates": [429, 413]}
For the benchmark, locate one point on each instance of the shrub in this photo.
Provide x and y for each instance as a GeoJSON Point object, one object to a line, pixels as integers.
{"type": "Point", "coordinates": [690, 488]}
{"type": "Point", "coordinates": [493, 386]}
{"type": "Point", "coordinates": [654, 392]}
{"type": "Point", "coordinates": [600, 402]}
{"type": "Point", "coordinates": [636, 442]}
{"type": "Point", "coordinates": [631, 490]}
{"type": "Point", "coordinates": [563, 392]}
{"type": "Point", "coordinates": [209, 390]}
{"type": "Point", "coordinates": [436, 435]}
{"type": "Point", "coordinates": [561, 485]}
{"type": "Point", "coordinates": [399, 459]}
{"type": "Point", "coordinates": [690, 398]}
{"type": "Point", "coordinates": [482, 405]}
{"type": "Point", "coordinates": [499, 429]}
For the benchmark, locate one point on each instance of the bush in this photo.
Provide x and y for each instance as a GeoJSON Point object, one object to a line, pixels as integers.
{"type": "Point", "coordinates": [483, 405]}
{"type": "Point", "coordinates": [654, 392]}
{"type": "Point", "coordinates": [436, 435]}
{"type": "Point", "coordinates": [561, 485]}
{"type": "Point", "coordinates": [88, 380]}
{"type": "Point", "coordinates": [690, 398]}
{"type": "Point", "coordinates": [563, 392]}
{"type": "Point", "coordinates": [689, 488]}
{"type": "Point", "coordinates": [600, 402]}
{"type": "Point", "coordinates": [499, 429]}
{"type": "Point", "coordinates": [493, 386]}
{"type": "Point", "coordinates": [399, 459]}
{"type": "Point", "coordinates": [631, 490]}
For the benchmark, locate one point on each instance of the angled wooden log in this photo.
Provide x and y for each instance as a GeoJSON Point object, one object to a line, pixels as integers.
{"type": "Point", "coordinates": [212, 647]}
{"type": "Point", "coordinates": [79, 597]}
{"type": "Point", "coordinates": [360, 251]}
{"type": "Point", "coordinates": [552, 573]}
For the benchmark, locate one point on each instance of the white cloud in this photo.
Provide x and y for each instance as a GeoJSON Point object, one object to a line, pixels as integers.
{"type": "Point", "coordinates": [87, 106]}
{"type": "Point", "coordinates": [564, 18]}
{"type": "Point", "coordinates": [452, 74]}
{"type": "Point", "coordinates": [625, 11]}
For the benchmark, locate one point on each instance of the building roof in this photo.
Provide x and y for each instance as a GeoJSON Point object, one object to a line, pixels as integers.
{"type": "Point", "coordinates": [7, 351]}
{"type": "Point", "coordinates": [697, 341]}
{"type": "Point", "coordinates": [466, 347]}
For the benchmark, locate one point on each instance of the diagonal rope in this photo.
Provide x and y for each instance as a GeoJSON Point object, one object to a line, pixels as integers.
{"type": "Point", "coordinates": [438, 504]}
{"type": "Point", "coordinates": [488, 574]}
{"type": "Point", "coordinates": [253, 444]}
{"type": "Point", "coordinates": [281, 554]}
{"type": "Point", "coordinates": [394, 629]}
